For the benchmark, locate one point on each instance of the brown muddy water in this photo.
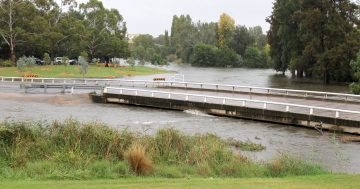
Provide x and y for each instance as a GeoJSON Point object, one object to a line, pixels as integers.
{"type": "Point", "coordinates": [306, 143]}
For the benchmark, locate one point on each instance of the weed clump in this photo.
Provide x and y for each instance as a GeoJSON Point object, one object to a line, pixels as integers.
{"type": "Point", "coordinates": [138, 160]}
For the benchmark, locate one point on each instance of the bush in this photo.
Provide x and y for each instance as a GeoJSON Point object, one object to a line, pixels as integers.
{"type": "Point", "coordinates": [355, 88]}
{"type": "Point", "coordinates": [138, 160]}
{"type": "Point", "coordinates": [47, 59]}
{"type": "Point", "coordinates": [25, 62]}
{"type": "Point", "coordinates": [287, 165]}
{"type": "Point", "coordinates": [6, 63]}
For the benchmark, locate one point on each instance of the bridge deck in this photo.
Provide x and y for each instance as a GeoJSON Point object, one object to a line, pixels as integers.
{"type": "Point", "coordinates": [270, 98]}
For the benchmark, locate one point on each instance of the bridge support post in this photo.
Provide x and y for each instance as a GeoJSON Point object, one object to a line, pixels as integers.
{"type": "Point", "coordinates": [45, 88]}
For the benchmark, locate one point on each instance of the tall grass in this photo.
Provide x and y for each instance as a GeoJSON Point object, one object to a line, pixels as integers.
{"type": "Point", "coordinates": [74, 150]}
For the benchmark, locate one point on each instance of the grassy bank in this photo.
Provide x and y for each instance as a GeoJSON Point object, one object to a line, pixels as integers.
{"type": "Point", "coordinates": [74, 71]}
{"type": "Point", "coordinates": [309, 182]}
{"type": "Point", "coordinates": [73, 150]}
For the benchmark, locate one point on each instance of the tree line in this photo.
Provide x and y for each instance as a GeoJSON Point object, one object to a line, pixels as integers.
{"type": "Point", "coordinates": [36, 27]}
{"type": "Point", "coordinates": [315, 38]}
{"type": "Point", "coordinates": [214, 44]}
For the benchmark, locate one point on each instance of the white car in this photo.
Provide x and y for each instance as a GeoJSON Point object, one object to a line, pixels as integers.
{"type": "Point", "coordinates": [58, 60]}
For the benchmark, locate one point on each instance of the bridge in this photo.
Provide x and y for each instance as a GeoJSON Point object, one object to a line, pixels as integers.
{"type": "Point", "coordinates": [320, 110]}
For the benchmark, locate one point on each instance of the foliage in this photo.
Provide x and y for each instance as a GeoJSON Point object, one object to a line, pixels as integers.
{"type": "Point", "coordinates": [73, 150]}
{"type": "Point", "coordinates": [209, 55]}
{"type": "Point", "coordinates": [355, 65]}
{"type": "Point", "coordinates": [226, 27]}
{"type": "Point", "coordinates": [6, 63]}
{"type": "Point", "coordinates": [204, 55]}
{"type": "Point", "coordinates": [47, 59]}
{"type": "Point", "coordinates": [314, 38]}
{"type": "Point", "coordinates": [144, 49]}
{"type": "Point", "coordinates": [83, 65]}
{"type": "Point", "coordinates": [254, 58]}
{"type": "Point", "coordinates": [65, 61]}
{"type": "Point", "coordinates": [131, 61]}
{"type": "Point", "coordinates": [138, 160]}
{"type": "Point", "coordinates": [24, 61]}
{"type": "Point", "coordinates": [197, 42]}
{"type": "Point", "coordinates": [61, 28]}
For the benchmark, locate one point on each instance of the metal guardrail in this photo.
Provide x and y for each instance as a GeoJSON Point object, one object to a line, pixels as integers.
{"type": "Point", "coordinates": [224, 100]}
{"type": "Point", "coordinates": [190, 85]}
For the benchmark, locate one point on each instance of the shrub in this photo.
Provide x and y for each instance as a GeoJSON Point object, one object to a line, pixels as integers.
{"type": "Point", "coordinates": [84, 65]}
{"type": "Point", "coordinates": [138, 160]}
{"type": "Point", "coordinates": [47, 59]}
{"type": "Point", "coordinates": [25, 62]}
{"type": "Point", "coordinates": [287, 165]}
{"type": "Point", "coordinates": [6, 63]}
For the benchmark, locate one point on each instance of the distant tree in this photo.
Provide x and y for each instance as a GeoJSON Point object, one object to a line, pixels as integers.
{"type": "Point", "coordinates": [204, 55]}
{"type": "Point", "coordinates": [258, 36]}
{"type": "Point", "coordinates": [183, 36]}
{"type": "Point", "coordinates": [314, 38]}
{"type": "Point", "coordinates": [241, 40]}
{"type": "Point", "coordinates": [166, 39]}
{"type": "Point", "coordinates": [227, 57]}
{"type": "Point", "coordinates": [255, 58]}
{"type": "Point", "coordinates": [226, 28]}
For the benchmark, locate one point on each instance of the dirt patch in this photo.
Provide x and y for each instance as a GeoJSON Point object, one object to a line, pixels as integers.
{"type": "Point", "coordinates": [46, 69]}
{"type": "Point", "coordinates": [66, 74]}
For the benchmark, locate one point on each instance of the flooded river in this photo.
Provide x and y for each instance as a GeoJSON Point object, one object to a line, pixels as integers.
{"type": "Point", "coordinates": [306, 143]}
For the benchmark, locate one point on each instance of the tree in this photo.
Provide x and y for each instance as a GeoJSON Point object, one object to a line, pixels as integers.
{"type": "Point", "coordinates": [83, 65]}
{"type": "Point", "coordinates": [314, 38]}
{"type": "Point", "coordinates": [101, 25]}
{"type": "Point", "coordinates": [183, 36]}
{"type": "Point", "coordinates": [355, 65]}
{"type": "Point", "coordinates": [204, 55]}
{"type": "Point", "coordinates": [255, 58]}
{"type": "Point", "coordinates": [12, 22]}
{"type": "Point", "coordinates": [166, 39]}
{"type": "Point", "coordinates": [47, 59]}
{"type": "Point", "coordinates": [226, 27]}
{"type": "Point", "coordinates": [282, 36]}
{"type": "Point", "coordinates": [241, 40]}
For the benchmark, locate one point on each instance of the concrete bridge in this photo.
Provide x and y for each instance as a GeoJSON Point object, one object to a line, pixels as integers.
{"type": "Point", "coordinates": [320, 110]}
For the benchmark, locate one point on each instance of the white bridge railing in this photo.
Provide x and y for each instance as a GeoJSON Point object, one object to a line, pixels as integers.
{"type": "Point", "coordinates": [186, 85]}
{"type": "Point", "coordinates": [286, 107]}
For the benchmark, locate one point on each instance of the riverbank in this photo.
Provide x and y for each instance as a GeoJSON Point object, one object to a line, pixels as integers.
{"type": "Point", "coordinates": [314, 182]}
{"type": "Point", "coordinates": [86, 151]}
{"type": "Point", "coordinates": [74, 71]}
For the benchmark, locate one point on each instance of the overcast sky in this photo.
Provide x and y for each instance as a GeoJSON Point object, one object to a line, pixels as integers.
{"type": "Point", "coordinates": [155, 16]}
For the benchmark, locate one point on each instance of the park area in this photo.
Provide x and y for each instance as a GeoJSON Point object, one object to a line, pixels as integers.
{"type": "Point", "coordinates": [93, 71]}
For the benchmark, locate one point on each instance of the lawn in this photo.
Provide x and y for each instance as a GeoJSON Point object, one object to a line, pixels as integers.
{"type": "Point", "coordinates": [313, 182]}
{"type": "Point", "coordinates": [74, 71]}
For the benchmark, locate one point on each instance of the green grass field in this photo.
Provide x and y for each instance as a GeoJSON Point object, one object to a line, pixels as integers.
{"type": "Point", "coordinates": [74, 71]}
{"type": "Point", "coordinates": [313, 182]}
